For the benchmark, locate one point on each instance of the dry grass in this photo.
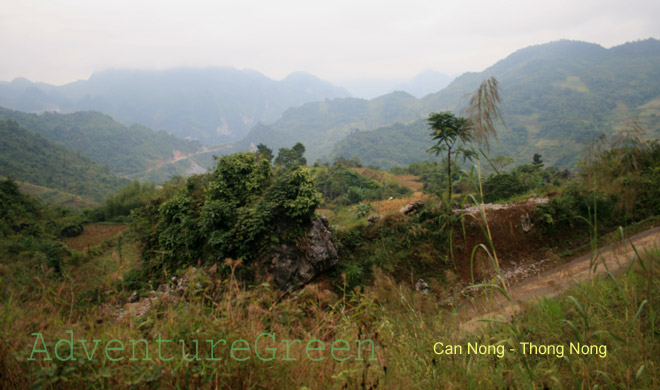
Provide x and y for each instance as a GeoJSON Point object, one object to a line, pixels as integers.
{"type": "Point", "coordinates": [93, 235]}
{"type": "Point", "coordinates": [390, 206]}
{"type": "Point", "coordinates": [404, 326]}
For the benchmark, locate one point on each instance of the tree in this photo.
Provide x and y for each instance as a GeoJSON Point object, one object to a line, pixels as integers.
{"type": "Point", "coordinates": [537, 161]}
{"type": "Point", "coordinates": [482, 115]}
{"type": "Point", "coordinates": [500, 162]}
{"type": "Point", "coordinates": [265, 152]}
{"type": "Point", "coordinates": [291, 157]}
{"type": "Point", "coordinates": [449, 133]}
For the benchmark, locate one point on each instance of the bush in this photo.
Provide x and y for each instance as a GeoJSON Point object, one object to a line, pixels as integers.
{"type": "Point", "coordinates": [502, 186]}
{"type": "Point", "coordinates": [129, 197]}
{"type": "Point", "coordinates": [237, 211]}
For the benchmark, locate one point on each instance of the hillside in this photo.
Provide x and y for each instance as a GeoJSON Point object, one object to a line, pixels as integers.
{"type": "Point", "coordinates": [556, 98]}
{"type": "Point", "coordinates": [32, 158]}
{"type": "Point", "coordinates": [320, 125]}
{"type": "Point", "coordinates": [212, 105]}
{"type": "Point", "coordinates": [125, 150]}
{"type": "Point", "coordinates": [376, 147]}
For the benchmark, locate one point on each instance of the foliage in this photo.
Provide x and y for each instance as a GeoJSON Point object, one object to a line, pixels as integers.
{"type": "Point", "coordinates": [29, 235]}
{"type": "Point", "coordinates": [394, 246]}
{"type": "Point", "coordinates": [346, 186]}
{"type": "Point", "coordinates": [347, 162]}
{"type": "Point", "coordinates": [617, 188]}
{"type": "Point", "coordinates": [129, 197]}
{"type": "Point", "coordinates": [237, 211]}
{"type": "Point", "coordinates": [265, 152]}
{"type": "Point", "coordinates": [30, 157]}
{"type": "Point", "coordinates": [502, 186]}
{"type": "Point", "coordinates": [522, 179]}
{"type": "Point", "coordinates": [448, 132]}
{"type": "Point", "coordinates": [125, 150]}
{"type": "Point", "coordinates": [292, 157]}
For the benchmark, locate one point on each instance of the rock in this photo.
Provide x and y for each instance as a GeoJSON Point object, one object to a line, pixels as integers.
{"type": "Point", "coordinates": [134, 297]}
{"type": "Point", "coordinates": [294, 266]}
{"type": "Point", "coordinates": [422, 286]}
{"type": "Point", "coordinates": [373, 218]}
{"type": "Point", "coordinates": [412, 207]}
{"type": "Point", "coordinates": [525, 223]}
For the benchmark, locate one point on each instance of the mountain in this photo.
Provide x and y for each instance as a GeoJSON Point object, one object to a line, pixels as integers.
{"type": "Point", "coordinates": [556, 98]}
{"type": "Point", "coordinates": [425, 83]}
{"type": "Point", "coordinates": [32, 158]}
{"type": "Point", "coordinates": [125, 150]}
{"type": "Point", "coordinates": [320, 125]}
{"type": "Point", "coordinates": [212, 105]}
{"type": "Point", "coordinates": [389, 146]}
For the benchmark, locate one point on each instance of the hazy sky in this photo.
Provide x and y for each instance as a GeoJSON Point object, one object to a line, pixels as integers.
{"type": "Point", "coordinates": [338, 40]}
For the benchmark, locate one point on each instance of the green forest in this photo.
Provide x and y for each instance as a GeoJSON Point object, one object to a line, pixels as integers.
{"type": "Point", "coordinates": [123, 149]}
{"type": "Point", "coordinates": [32, 158]}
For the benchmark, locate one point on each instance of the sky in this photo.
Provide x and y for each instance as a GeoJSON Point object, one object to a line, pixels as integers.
{"type": "Point", "coordinates": [342, 41]}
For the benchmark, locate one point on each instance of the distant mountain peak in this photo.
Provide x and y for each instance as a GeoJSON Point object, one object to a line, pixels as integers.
{"type": "Point", "coordinates": [185, 101]}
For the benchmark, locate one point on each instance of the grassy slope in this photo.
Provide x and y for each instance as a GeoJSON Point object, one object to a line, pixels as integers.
{"type": "Point", "coordinates": [53, 197]}
{"type": "Point", "coordinates": [617, 313]}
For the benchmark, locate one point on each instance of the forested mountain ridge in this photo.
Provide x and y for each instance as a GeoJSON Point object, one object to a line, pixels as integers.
{"type": "Point", "coordinates": [32, 158]}
{"type": "Point", "coordinates": [556, 98]}
{"type": "Point", "coordinates": [320, 125]}
{"type": "Point", "coordinates": [125, 150]}
{"type": "Point", "coordinates": [212, 105]}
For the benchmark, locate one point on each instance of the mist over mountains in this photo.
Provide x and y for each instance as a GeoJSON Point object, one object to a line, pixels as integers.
{"type": "Point", "coordinates": [419, 86]}
{"type": "Point", "coordinates": [212, 105]}
{"type": "Point", "coordinates": [556, 98]}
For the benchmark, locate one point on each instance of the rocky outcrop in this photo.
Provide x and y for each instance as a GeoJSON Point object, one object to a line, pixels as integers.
{"type": "Point", "coordinates": [411, 208]}
{"type": "Point", "coordinates": [526, 222]}
{"type": "Point", "coordinates": [295, 265]}
{"type": "Point", "coordinates": [422, 287]}
{"type": "Point", "coordinates": [373, 218]}
{"type": "Point", "coordinates": [166, 293]}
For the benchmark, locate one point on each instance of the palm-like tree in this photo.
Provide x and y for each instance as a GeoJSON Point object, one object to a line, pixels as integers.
{"type": "Point", "coordinates": [452, 133]}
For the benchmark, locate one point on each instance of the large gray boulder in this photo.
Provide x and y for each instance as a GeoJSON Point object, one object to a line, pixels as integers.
{"type": "Point", "coordinates": [295, 265]}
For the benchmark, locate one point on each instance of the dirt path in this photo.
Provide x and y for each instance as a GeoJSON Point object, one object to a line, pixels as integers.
{"type": "Point", "coordinates": [176, 159]}
{"type": "Point", "coordinates": [554, 281]}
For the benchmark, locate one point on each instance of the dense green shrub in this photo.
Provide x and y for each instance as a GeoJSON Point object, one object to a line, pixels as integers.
{"type": "Point", "coordinates": [237, 211]}
{"type": "Point", "coordinates": [129, 197]}
{"type": "Point", "coordinates": [618, 187]}
{"type": "Point", "coordinates": [29, 236]}
{"type": "Point", "coordinates": [397, 246]}
{"type": "Point", "coordinates": [502, 186]}
{"type": "Point", "coordinates": [345, 186]}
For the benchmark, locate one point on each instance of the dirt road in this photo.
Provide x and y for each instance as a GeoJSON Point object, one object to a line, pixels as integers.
{"type": "Point", "coordinates": [551, 283]}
